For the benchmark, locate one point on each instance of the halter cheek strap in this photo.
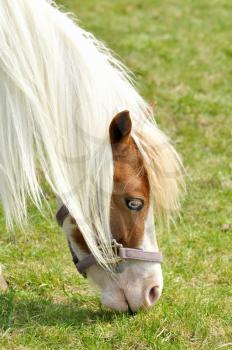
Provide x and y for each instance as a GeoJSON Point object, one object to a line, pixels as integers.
{"type": "Point", "coordinates": [121, 253]}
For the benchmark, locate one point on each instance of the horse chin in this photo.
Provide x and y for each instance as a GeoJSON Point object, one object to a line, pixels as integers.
{"type": "Point", "coordinates": [114, 299]}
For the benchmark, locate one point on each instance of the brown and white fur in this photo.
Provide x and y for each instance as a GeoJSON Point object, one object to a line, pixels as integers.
{"type": "Point", "coordinates": [139, 284]}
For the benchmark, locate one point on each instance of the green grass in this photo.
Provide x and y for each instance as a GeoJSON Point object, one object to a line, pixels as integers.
{"type": "Point", "coordinates": [181, 54]}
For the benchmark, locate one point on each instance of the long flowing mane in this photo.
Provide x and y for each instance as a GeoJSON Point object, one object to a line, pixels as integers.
{"type": "Point", "coordinates": [59, 90]}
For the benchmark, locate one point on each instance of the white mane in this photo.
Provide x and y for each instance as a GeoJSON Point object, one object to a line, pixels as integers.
{"type": "Point", "coordinates": [59, 91]}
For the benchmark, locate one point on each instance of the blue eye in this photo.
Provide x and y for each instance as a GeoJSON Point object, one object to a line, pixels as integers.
{"type": "Point", "coordinates": [134, 203]}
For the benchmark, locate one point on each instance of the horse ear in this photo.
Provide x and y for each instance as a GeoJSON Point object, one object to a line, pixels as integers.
{"type": "Point", "coordinates": [120, 127]}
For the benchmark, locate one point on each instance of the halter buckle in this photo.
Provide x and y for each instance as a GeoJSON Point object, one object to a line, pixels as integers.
{"type": "Point", "coordinates": [115, 247]}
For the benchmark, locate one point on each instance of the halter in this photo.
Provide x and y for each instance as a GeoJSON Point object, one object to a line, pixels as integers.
{"type": "Point", "coordinates": [120, 252]}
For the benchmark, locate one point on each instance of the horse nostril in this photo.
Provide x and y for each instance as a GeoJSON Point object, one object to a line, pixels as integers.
{"type": "Point", "coordinates": [153, 295]}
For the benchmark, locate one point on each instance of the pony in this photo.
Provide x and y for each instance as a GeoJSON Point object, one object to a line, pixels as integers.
{"type": "Point", "coordinates": [71, 109]}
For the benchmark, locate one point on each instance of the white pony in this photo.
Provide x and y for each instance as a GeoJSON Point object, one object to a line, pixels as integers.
{"type": "Point", "coordinates": [59, 91]}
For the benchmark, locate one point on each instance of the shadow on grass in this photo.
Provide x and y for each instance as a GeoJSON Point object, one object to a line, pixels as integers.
{"type": "Point", "coordinates": [19, 312]}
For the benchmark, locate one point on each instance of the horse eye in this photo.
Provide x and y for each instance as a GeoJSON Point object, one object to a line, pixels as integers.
{"type": "Point", "coordinates": [134, 203]}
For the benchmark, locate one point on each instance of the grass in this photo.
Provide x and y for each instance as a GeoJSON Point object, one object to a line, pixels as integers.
{"type": "Point", "coordinates": [181, 54]}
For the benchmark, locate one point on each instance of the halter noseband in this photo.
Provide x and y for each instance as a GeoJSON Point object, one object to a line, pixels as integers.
{"type": "Point", "coordinates": [120, 252]}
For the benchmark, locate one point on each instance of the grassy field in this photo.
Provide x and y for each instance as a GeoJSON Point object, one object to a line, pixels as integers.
{"type": "Point", "coordinates": [181, 54]}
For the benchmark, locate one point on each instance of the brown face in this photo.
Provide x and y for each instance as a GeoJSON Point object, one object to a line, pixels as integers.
{"type": "Point", "coordinates": [139, 284]}
{"type": "Point", "coordinates": [130, 197]}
